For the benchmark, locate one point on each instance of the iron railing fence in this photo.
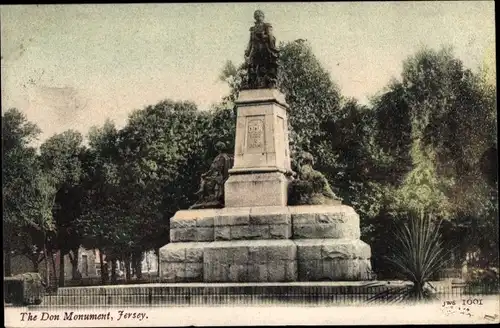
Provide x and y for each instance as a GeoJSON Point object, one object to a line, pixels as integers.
{"type": "Point", "coordinates": [199, 294]}
{"type": "Point", "coordinates": [452, 274]}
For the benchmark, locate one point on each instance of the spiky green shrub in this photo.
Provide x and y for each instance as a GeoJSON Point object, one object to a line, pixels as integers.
{"type": "Point", "coordinates": [417, 255]}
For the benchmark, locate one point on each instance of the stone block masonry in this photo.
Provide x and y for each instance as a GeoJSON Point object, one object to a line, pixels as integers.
{"type": "Point", "coordinates": [265, 222]}
{"type": "Point", "coordinates": [262, 189]}
{"type": "Point", "coordinates": [193, 225]}
{"type": "Point", "coordinates": [252, 261]}
{"type": "Point", "coordinates": [324, 222]}
{"type": "Point", "coordinates": [333, 259]}
{"type": "Point", "coordinates": [182, 262]}
{"type": "Point", "coordinates": [265, 244]}
{"type": "Point", "coordinates": [249, 223]}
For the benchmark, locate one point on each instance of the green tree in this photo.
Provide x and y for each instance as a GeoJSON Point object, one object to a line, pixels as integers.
{"type": "Point", "coordinates": [133, 176]}
{"type": "Point", "coordinates": [61, 159]}
{"type": "Point", "coordinates": [158, 149]}
{"type": "Point", "coordinates": [313, 97]}
{"type": "Point", "coordinates": [454, 112]}
{"type": "Point", "coordinates": [102, 222]}
{"type": "Point", "coordinates": [28, 193]}
{"type": "Point", "coordinates": [392, 134]}
{"type": "Point", "coordinates": [438, 125]}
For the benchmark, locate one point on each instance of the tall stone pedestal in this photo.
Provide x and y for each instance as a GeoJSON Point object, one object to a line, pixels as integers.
{"type": "Point", "coordinates": [257, 237]}
{"type": "Point", "coordinates": [262, 156]}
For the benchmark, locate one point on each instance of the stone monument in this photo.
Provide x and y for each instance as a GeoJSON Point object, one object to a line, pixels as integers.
{"type": "Point", "coordinates": [258, 236]}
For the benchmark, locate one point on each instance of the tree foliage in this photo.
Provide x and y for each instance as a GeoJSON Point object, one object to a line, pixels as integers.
{"type": "Point", "coordinates": [139, 176]}
{"type": "Point", "coordinates": [442, 132]}
{"type": "Point", "coordinates": [27, 191]}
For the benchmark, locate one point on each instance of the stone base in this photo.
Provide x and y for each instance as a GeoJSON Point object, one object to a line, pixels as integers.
{"type": "Point", "coordinates": [333, 259]}
{"type": "Point", "coordinates": [323, 221]}
{"type": "Point", "coordinates": [253, 223]}
{"type": "Point", "coordinates": [265, 244]}
{"type": "Point", "coordinates": [266, 261]}
{"type": "Point", "coordinates": [258, 189]}
{"type": "Point", "coordinates": [182, 262]}
{"type": "Point", "coordinates": [250, 260]}
{"type": "Point", "coordinates": [265, 222]}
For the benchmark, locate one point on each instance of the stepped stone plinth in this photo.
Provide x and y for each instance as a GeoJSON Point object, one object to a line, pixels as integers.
{"type": "Point", "coordinates": [265, 244]}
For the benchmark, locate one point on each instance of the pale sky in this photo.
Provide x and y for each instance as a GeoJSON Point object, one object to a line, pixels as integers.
{"type": "Point", "coordinates": [73, 66]}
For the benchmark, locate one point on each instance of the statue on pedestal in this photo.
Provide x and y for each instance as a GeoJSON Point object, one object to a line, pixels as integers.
{"type": "Point", "coordinates": [311, 187]}
{"type": "Point", "coordinates": [211, 192]}
{"type": "Point", "coordinates": [261, 55]}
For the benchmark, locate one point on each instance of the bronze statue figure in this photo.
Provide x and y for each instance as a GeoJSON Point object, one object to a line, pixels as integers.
{"type": "Point", "coordinates": [211, 192]}
{"type": "Point", "coordinates": [311, 186]}
{"type": "Point", "coordinates": [261, 55]}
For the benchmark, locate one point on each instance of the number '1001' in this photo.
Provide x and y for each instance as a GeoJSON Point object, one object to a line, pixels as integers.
{"type": "Point", "coordinates": [471, 301]}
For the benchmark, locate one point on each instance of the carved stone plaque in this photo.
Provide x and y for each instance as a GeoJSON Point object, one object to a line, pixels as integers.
{"type": "Point", "coordinates": [255, 133]}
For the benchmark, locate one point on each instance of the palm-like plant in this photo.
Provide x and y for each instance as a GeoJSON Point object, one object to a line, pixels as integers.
{"type": "Point", "coordinates": [418, 255]}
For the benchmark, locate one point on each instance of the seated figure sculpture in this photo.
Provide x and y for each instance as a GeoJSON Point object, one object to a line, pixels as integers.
{"type": "Point", "coordinates": [310, 186]}
{"type": "Point", "coordinates": [211, 192]}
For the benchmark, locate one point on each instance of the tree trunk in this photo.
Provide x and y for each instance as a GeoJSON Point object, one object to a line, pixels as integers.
{"type": "Point", "coordinates": [61, 269]}
{"type": "Point", "coordinates": [137, 257]}
{"type": "Point", "coordinates": [157, 252]}
{"type": "Point", "coordinates": [127, 267]}
{"type": "Point", "coordinates": [47, 265]}
{"type": "Point", "coordinates": [104, 271]}
{"type": "Point", "coordinates": [36, 263]}
{"type": "Point", "coordinates": [54, 268]}
{"type": "Point", "coordinates": [73, 258]}
{"type": "Point", "coordinates": [113, 271]}
{"type": "Point", "coordinates": [139, 268]}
